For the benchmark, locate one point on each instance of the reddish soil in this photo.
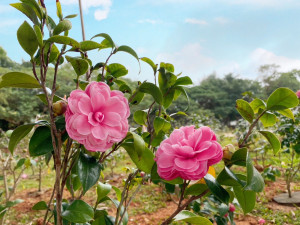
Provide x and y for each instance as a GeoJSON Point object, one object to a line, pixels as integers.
{"type": "Point", "coordinates": [272, 188]}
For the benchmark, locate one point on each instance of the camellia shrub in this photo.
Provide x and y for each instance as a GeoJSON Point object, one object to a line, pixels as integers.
{"type": "Point", "coordinates": [91, 124]}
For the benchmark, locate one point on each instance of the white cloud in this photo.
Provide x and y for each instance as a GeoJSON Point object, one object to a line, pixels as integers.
{"type": "Point", "coordinates": [103, 7]}
{"type": "Point", "coordinates": [221, 20]}
{"type": "Point", "coordinates": [8, 23]}
{"type": "Point", "coordinates": [149, 21]}
{"type": "Point", "coordinates": [190, 60]}
{"type": "Point", "coordinates": [262, 56]}
{"type": "Point", "coordinates": [195, 21]}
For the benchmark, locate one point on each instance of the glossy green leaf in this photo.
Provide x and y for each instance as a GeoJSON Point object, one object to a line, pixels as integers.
{"type": "Point", "coordinates": [106, 37]}
{"type": "Point", "coordinates": [191, 218]}
{"type": "Point", "coordinates": [62, 26]}
{"type": "Point", "coordinates": [64, 40]}
{"type": "Point", "coordinates": [272, 139]}
{"type": "Point", "coordinates": [129, 50]}
{"type": "Point", "coordinates": [150, 63]}
{"type": "Point", "coordinates": [255, 181]}
{"type": "Point", "coordinates": [78, 212]}
{"type": "Point", "coordinates": [239, 157]}
{"type": "Point", "coordinates": [17, 135]}
{"type": "Point", "coordinates": [118, 192]}
{"type": "Point", "coordinates": [138, 142]}
{"type": "Point", "coordinates": [102, 190]}
{"type": "Point", "coordinates": [125, 89]}
{"type": "Point", "coordinates": [39, 35]}
{"type": "Point", "coordinates": [116, 70]}
{"type": "Point", "coordinates": [257, 104]}
{"type": "Point", "coordinates": [153, 90]}
{"type": "Point", "coordinates": [184, 81]}
{"type": "Point", "coordinates": [287, 113]}
{"type": "Point", "coordinates": [42, 97]}
{"type": "Point", "coordinates": [40, 142]}
{"type": "Point", "coordinates": [42, 205]}
{"type": "Point", "coordinates": [35, 6]}
{"type": "Point", "coordinates": [143, 162]}
{"type": "Point", "coordinates": [89, 170]}
{"type": "Point", "coordinates": [218, 191]}
{"type": "Point", "coordinates": [268, 119]}
{"type": "Point", "coordinates": [245, 110]}
{"type": "Point", "coordinates": [140, 117]}
{"type": "Point", "coordinates": [228, 178]}
{"type": "Point", "coordinates": [89, 45]}
{"type": "Point", "coordinates": [79, 65]}
{"type": "Point", "coordinates": [27, 38]}
{"type": "Point", "coordinates": [54, 53]}
{"type": "Point", "coordinates": [161, 124]}
{"type": "Point", "coordinates": [245, 198]}
{"type": "Point", "coordinates": [27, 10]}
{"type": "Point", "coordinates": [282, 98]}
{"type": "Point", "coordinates": [196, 189]}
{"type": "Point", "coordinates": [138, 97]}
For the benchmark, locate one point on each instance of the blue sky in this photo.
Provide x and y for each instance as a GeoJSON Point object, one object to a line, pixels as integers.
{"type": "Point", "coordinates": [198, 36]}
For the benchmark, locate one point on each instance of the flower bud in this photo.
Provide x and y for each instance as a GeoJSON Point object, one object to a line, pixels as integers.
{"type": "Point", "coordinates": [298, 94]}
{"type": "Point", "coordinates": [226, 215]}
{"type": "Point", "coordinates": [59, 107]}
{"type": "Point", "coordinates": [261, 221]}
{"type": "Point", "coordinates": [231, 208]}
{"type": "Point", "coordinates": [142, 174]}
{"type": "Point", "coordinates": [227, 154]}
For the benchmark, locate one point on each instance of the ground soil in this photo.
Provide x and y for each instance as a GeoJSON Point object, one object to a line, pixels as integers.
{"type": "Point", "coordinates": [31, 197]}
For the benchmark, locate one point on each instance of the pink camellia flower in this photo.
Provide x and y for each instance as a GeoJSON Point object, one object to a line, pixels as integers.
{"type": "Point", "coordinates": [24, 176]}
{"type": "Point", "coordinates": [298, 94]}
{"type": "Point", "coordinates": [231, 208]}
{"type": "Point", "coordinates": [97, 117]}
{"type": "Point", "coordinates": [261, 221]}
{"type": "Point", "coordinates": [188, 153]}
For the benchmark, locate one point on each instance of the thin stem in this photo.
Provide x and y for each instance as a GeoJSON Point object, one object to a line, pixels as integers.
{"type": "Point", "coordinates": [102, 75]}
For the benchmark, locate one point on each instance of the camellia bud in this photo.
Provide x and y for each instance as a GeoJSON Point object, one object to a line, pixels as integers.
{"type": "Point", "coordinates": [261, 221]}
{"type": "Point", "coordinates": [59, 107]}
{"type": "Point", "coordinates": [227, 152]}
{"type": "Point", "coordinates": [231, 208]}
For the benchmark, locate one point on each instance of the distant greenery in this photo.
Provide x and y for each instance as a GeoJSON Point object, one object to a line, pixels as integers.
{"type": "Point", "coordinates": [214, 97]}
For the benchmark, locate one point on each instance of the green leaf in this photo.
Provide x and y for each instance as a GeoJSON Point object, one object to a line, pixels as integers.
{"type": "Point", "coordinates": [153, 90]}
{"type": "Point", "coordinates": [42, 97]}
{"type": "Point", "coordinates": [89, 170]}
{"type": "Point", "coordinates": [140, 117]}
{"type": "Point", "coordinates": [129, 50]}
{"type": "Point", "coordinates": [143, 162]}
{"type": "Point", "coordinates": [245, 198]}
{"type": "Point", "coordinates": [50, 24]}
{"type": "Point", "coordinates": [183, 81]}
{"type": "Point", "coordinates": [27, 38]}
{"type": "Point", "coordinates": [150, 62]}
{"type": "Point", "coordinates": [191, 218]}
{"type": "Point", "coordinates": [282, 98]}
{"type": "Point", "coordinates": [79, 65]}
{"type": "Point", "coordinates": [196, 189]}
{"type": "Point", "coordinates": [106, 37]}
{"type": "Point", "coordinates": [125, 89]}
{"type": "Point", "coordinates": [138, 97]}
{"type": "Point", "coordinates": [35, 6]}
{"type": "Point", "coordinates": [64, 40]}
{"type": "Point", "coordinates": [116, 70]}
{"type": "Point", "coordinates": [272, 139]}
{"type": "Point", "coordinates": [257, 104]}
{"type": "Point", "coordinates": [118, 192]}
{"type": "Point", "coordinates": [62, 26]}
{"type": "Point", "coordinates": [13, 203]}
{"type": "Point", "coordinates": [39, 35]}
{"type": "Point", "coordinates": [54, 52]}
{"type": "Point", "coordinates": [17, 135]}
{"type": "Point", "coordinates": [161, 124]}
{"type": "Point", "coordinates": [182, 90]}
{"type": "Point", "coordinates": [20, 163]}
{"type": "Point", "coordinates": [89, 45]}
{"type": "Point", "coordinates": [228, 178]}
{"type": "Point", "coordinates": [71, 16]}
{"type": "Point", "coordinates": [27, 10]}
{"type": "Point", "coordinates": [255, 181]}
{"type": "Point", "coordinates": [138, 142]}
{"type": "Point", "coordinates": [268, 119]}
{"type": "Point", "coordinates": [245, 110]}
{"type": "Point", "coordinates": [42, 205]}
{"type": "Point", "coordinates": [287, 113]}
{"type": "Point", "coordinates": [40, 142]}
{"type": "Point", "coordinates": [125, 218]}
{"type": "Point", "coordinates": [218, 191]}
{"type": "Point", "coordinates": [78, 212]}
{"type": "Point", "coordinates": [102, 190]}
{"type": "Point", "coordinates": [239, 157]}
